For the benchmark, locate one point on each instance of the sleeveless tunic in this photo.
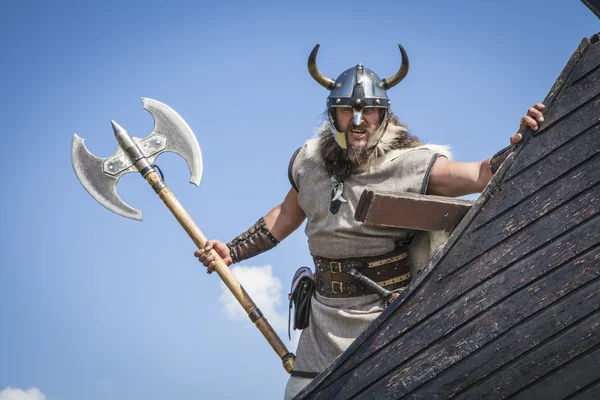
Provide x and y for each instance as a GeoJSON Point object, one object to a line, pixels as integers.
{"type": "Point", "coordinates": [336, 322]}
{"type": "Point", "coordinates": [340, 235]}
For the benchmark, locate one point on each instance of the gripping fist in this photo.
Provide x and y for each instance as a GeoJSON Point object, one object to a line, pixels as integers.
{"type": "Point", "coordinates": [534, 115]}
{"type": "Point", "coordinates": [207, 255]}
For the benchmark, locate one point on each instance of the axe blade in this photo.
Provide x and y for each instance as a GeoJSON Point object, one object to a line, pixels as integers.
{"type": "Point", "coordinates": [102, 187]}
{"type": "Point", "coordinates": [180, 138]}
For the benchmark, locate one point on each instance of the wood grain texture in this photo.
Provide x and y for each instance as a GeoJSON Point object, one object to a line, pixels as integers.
{"type": "Point", "coordinates": [591, 392]}
{"type": "Point", "coordinates": [559, 384]}
{"type": "Point", "coordinates": [411, 211]}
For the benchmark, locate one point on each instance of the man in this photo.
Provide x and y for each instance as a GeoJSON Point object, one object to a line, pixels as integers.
{"type": "Point", "coordinates": [362, 144]}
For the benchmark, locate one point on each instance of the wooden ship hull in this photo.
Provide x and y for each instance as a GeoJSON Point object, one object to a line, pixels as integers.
{"type": "Point", "coordinates": [509, 307]}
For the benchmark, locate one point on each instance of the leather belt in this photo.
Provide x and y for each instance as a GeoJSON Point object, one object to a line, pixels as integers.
{"type": "Point", "coordinates": [391, 271]}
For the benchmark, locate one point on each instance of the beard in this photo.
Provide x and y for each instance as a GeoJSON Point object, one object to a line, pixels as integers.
{"type": "Point", "coordinates": [358, 154]}
{"type": "Point", "coordinates": [395, 136]}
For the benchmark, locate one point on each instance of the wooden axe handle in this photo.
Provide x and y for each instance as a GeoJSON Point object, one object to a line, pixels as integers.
{"type": "Point", "coordinates": [222, 270]}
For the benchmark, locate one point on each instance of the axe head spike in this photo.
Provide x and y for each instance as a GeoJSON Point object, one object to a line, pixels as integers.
{"type": "Point", "coordinates": [99, 176]}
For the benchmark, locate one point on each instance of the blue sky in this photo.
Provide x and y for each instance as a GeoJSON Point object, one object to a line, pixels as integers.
{"type": "Point", "coordinates": [95, 306]}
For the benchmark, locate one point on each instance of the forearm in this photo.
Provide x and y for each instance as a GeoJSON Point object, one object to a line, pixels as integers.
{"type": "Point", "coordinates": [485, 175]}
{"type": "Point", "coordinates": [488, 167]}
{"type": "Point", "coordinates": [269, 230]}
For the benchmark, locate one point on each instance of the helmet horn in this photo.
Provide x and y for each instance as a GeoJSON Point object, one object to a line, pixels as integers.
{"type": "Point", "coordinates": [397, 78]}
{"type": "Point", "coordinates": [324, 81]}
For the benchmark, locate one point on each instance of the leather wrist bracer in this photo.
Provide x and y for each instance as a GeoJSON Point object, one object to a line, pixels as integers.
{"type": "Point", "coordinates": [498, 158]}
{"type": "Point", "coordinates": [254, 241]}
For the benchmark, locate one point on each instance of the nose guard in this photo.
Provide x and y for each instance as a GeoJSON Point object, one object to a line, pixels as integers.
{"type": "Point", "coordinates": [357, 117]}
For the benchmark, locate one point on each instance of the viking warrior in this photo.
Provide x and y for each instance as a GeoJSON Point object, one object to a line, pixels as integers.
{"type": "Point", "coordinates": [360, 144]}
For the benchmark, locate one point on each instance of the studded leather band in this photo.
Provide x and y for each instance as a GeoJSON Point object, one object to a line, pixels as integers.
{"type": "Point", "coordinates": [332, 279]}
{"type": "Point", "coordinates": [254, 241]}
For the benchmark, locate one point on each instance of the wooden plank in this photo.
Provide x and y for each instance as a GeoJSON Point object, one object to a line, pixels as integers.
{"type": "Point", "coordinates": [588, 63]}
{"type": "Point", "coordinates": [411, 211]}
{"type": "Point", "coordinates": [566, 72]}
{"type": "Point", "coordinates": [571, 97]}
{"type": "Point", "coordinates": [591, 392]}
{"type": "Point", "coordinates": [480, 364]}
{"type": "Point", "coordinates": [441, 341]}
{"type": "Point", "coordinates": [552, 95]}
{"type": "Point", "coordinates": [495, 322]}
{"type": "Point", "coordinates": [545, 359]}
{"type": "Point", "coordinates": [567, 381]}
{"type": "Point", "coordinates": [421, 306]}
{"type": "Point", "coordinates": [558, 162]}
{"type": "Point", "coordinates": [563, 132]}
{"type": "Point", "coordinates": [560, 134]}
{"type": "Point", "coordinates": [425, 329]}
{"type": "Point", "coordinates": [535, 236]}
{"type": "Point", "coordinates": [544, 204]}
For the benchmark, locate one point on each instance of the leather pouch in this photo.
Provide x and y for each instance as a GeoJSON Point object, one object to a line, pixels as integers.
{"type": "Point", "coordinates": [301, 292]}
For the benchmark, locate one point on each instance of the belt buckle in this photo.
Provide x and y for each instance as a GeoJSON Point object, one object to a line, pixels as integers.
{"type": "Point", "coordinates": [335, 267]}
{"type": "Point", "coordinates": [335, 284]}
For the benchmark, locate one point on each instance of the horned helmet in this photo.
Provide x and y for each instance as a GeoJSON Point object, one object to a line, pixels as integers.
{"type": "Point", "coordinates": [357, 87]}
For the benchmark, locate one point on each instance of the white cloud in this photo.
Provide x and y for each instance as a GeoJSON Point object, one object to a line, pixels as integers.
{"type": "Point", "coordinates": [18, 394]}
{"type": "Point", "coordinates": [265, 290]}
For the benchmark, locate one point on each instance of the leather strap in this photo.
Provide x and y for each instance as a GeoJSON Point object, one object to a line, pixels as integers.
{"type": "Point", "coordinates": [255, 240]}
{"type": "Point", "coordinates": [332, 279]}
{"type": "Point", "coordinates": [304, 374]}
{"type": "Point", "coordinates": [498, 158]}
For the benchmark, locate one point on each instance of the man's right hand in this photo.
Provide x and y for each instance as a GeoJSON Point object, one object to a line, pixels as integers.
{"type": "Point", "coordinates": [207, 255]}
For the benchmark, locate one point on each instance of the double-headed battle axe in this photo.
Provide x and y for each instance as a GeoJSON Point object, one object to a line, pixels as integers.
{"type": "Point", "coordinates": [99, 177]}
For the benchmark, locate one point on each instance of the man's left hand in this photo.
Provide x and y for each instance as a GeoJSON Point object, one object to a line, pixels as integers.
{"type": "Point", "coordinates": [534, 115]}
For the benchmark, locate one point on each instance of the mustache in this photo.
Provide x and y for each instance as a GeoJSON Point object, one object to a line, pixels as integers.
{"type": "Point", "coordinates": [362, 126]}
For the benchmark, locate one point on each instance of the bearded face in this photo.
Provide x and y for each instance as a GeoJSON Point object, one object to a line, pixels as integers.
{"type": "Point", "coordinates": [357, 136]}
{"type": "Point", "coordinates": [395, 136]}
